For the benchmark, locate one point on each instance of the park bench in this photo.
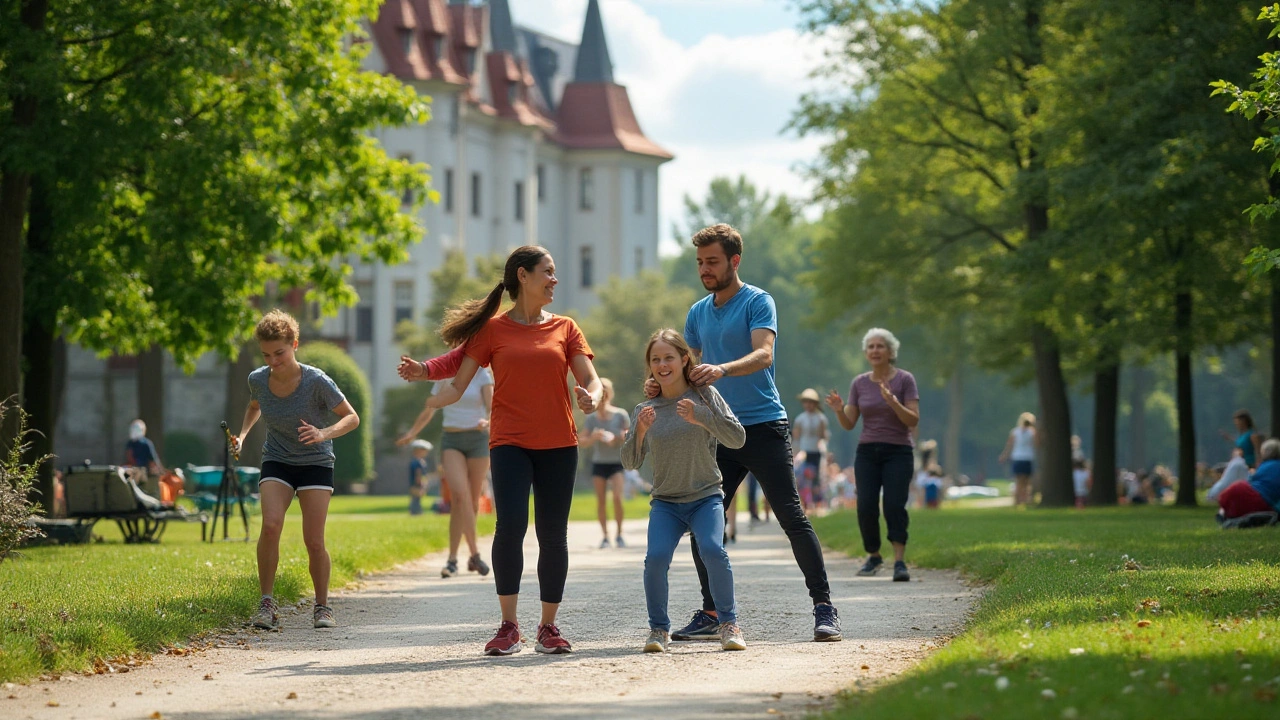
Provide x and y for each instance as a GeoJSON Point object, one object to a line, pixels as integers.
{"type": "Point", "coordinates": [107, 492]}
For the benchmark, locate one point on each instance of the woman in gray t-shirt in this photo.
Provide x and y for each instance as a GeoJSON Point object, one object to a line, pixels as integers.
{"type": "Point", "coordinates": [604, 432]}
{"type": "Point", "coordinates": [296, 402]}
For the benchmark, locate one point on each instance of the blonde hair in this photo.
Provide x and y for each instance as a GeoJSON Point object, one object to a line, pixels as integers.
{"type": "Point", "coordinates": [607, 384]}
{"type": "Point", "coordinates": [673, 338]}
{"type": "Point", "coordinates": [276, 325]}
{"type": "Point", "coordinates": [1026, 419]}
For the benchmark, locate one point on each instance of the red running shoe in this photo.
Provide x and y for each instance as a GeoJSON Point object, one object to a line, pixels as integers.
{"type": "Point", "coordinates": [507, 642]}
{"type": "Point", "coordinates": [551, 642]}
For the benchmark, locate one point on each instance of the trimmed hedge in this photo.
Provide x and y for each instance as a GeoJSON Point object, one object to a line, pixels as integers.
{"type": "Point", "coordinates": [354, 450]}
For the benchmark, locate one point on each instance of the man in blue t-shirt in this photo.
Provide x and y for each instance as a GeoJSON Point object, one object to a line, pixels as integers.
{"type": "Point", "coordinates": [734, 329]}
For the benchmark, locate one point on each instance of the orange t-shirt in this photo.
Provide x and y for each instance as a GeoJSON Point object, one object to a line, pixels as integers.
{"type": "Point", "coordinates": [532, 405]}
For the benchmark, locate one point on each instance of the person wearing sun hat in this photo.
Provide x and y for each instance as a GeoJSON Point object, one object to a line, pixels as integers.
{"type": "Point", "coordinates": [808, 430]}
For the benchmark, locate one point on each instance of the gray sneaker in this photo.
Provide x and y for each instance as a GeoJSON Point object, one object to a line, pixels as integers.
{"type": "Point", "coordinates": [657, 641]}
{"type": "Point", "coordinates": [731, 637]}
{"type": "Point", "coordinates": [322, 616]}
{"type": "Point", "coordinates": [266, 617]}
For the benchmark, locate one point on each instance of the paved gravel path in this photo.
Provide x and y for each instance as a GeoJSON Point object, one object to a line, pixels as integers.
{"type": "Point", "coordinates": [409, 646]}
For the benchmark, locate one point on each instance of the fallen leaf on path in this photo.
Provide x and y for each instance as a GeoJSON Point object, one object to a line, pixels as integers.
{"type": "Point", "coordinates": [291, 696]}
{"type": "Point", "coordinates": [156, 715]}
{"type": "Point", "coordinates": [52, 703]}
{"type": "Point", "coordinates": [866, 667]}
{"type": "Point", "coordinates": [208, 677]}
{"type": "Point", "coordinates": [777, 696]}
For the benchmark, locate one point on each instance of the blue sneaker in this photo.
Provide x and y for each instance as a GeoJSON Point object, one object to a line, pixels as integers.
{"type": "Point", "coordinates": [702, 627]}
{"type": "Point", "coordinates": [826, 624]}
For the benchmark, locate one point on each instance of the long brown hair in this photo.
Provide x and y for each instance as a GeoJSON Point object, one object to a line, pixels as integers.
{"type": "Point", "coordinates": [676, 340]}
{"type": "Point", "coordinates": [461, 322]}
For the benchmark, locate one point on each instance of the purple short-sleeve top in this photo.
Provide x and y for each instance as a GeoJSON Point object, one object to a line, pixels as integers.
{"type": "Point", "coordinates": [880, 424]}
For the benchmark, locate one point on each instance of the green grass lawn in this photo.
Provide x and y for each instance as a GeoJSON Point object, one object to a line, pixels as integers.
{"type": "Point", "coordinates": [1065, 629]}
{"type": "Point", "coordinates": [63, 607]}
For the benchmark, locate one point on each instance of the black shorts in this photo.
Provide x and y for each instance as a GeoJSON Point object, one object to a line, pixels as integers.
{"type": "Point", "coordinates": [605, 470]}
{"type": "Point", "coordinates": [298, 477]}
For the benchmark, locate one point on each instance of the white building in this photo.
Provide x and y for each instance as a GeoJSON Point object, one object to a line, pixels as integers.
{"type": "Point", "coordinates": [531, 142]}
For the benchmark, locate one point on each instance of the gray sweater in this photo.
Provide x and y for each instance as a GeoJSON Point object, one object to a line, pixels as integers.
{"type": "Point", "coordinates": [684, 454]}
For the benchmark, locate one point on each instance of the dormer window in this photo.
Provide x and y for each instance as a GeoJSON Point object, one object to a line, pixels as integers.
{"type": "Point", "coordinates": [406, 41]}
{"type": "Point", "coordinates": [433, 46]}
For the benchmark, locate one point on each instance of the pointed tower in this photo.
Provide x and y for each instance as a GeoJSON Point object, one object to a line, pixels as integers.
{"type": "Point", "coordinates": [502, 31]}
{"type": "Point", "coordinates": [609, 170]}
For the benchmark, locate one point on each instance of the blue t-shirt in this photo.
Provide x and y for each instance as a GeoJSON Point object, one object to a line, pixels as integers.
{"type": "Point", "coordinates": [723, 334]}
{"type": "Point", "coordinates": [1266, 480]}
{"type": "Point", "coordinates": [143, 452]}
{"type": "Point", "coordinates": [418, 469]}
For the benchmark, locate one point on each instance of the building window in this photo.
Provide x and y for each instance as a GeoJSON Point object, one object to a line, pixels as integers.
{"type": "Point", "coordinates": [542, 183]}
{"type": "Point", "coordinates": [639, 259]}
{"type": "Point", "coordinates": [404, 302]}
{"type": "Point", "coordinates": [406, 41]}
{"type": "Point", "coordinates": [586, 189]}
{"type": "Point", "coordinates": [407, 198]}
{"type": "Point", "coordinates": [448, 190]}
{"type": "Point", "coordinates": [587, 269]}
{"type": "Point", "coordinates": [434, 44]}
{"type": "Point", "coordinates": [519, 200]}
{"type": "Point", "coordinates": [364, 313]}
{"type": "Point", "coordinates": [639, 191]}
{"type": "Point", "coordinates": [475, 194]}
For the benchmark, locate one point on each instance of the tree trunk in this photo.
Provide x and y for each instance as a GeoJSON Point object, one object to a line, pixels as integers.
{"type": "Point", "coordinates": [237, 399]}
{"type": "Point", "coordinates": [15, 182]}
{"type": "Point", "coordinates": [151, 395]}
{"type": "Point", "coordinates": [1106, 408]}
{"type": "Point", "coordinates": [1138, 419]}
{"type": "Point", "coordinates": [1275, 354]}
{"type": "Point", "coordinates": [1054, 425]}
{"type": "Point", "coordinates": [1186, 408]}
{"type": "Point", "coordinates": [41, 394]}
{"type": "Point", "coordinates": [955, 419]}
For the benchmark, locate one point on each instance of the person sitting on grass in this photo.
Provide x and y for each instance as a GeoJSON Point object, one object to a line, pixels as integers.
{"type": "Point", "coordinates": [1260, 493]}
{"type": "Point", "coordinates": [681, 428]}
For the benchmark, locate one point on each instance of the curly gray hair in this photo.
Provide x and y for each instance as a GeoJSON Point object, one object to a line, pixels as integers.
{"type": "Point", "coordinates": [888, 337]}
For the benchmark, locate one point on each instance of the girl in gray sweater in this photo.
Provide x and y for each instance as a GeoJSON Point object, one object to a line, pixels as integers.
{"type": "Point", "coordinates": [682, 426]}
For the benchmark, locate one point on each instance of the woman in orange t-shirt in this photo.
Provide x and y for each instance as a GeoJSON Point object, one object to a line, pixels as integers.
{"type": "Point", "coordinates": [533, 443]}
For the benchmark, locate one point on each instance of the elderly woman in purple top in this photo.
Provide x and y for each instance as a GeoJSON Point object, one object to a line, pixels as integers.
{"type": "Point", "coordinates": [889, 404]}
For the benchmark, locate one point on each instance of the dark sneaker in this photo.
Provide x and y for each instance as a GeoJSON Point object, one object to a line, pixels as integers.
{"type": "Point", "coordinates": [478, 565]}
{"type": "Point", "coordinates": [507, 642]}
{"type": "Point", "coordinates": [450, 569]}
{"type": "Point", "coordinates": [731, 637]}
{"type": "Point", "coordinates": [551, 642]}
{"type": "Point", "coordinates": [826, 624]}
{"type": "Point", "coordinates": [871, 566]}
{"type": "Point", "coordinates": [702, 627]}
{"type": "Point", "coordinates": [657, 641]}
{"type": "Point", "coordinates": [900, 573]}
{"type": "Point", "coordinates": [322, 617]}
{"type": "Point", "coordinates": [604, 544]}
{"type": "Point", "coordinates": [266, 617]}
{"type": "Point", "coordinates": [619, 542]}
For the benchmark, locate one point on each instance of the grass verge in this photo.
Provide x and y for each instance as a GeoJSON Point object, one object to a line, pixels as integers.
{"type": "Point", "coordinates": [1109, 613]}
{"type": "Point", "coordinates": [63, 608]}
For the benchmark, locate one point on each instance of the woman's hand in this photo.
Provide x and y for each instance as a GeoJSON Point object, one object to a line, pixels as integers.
{"type": "Point", "coordinates": [684, 408]}
{"type": "Point", "coordinates": [886, 393]}
{"type": "Point", "coordinates": [410, 370]}
{"type": "Point", "coordinates": [405, 439]}
{"type": "Point", "coordinates": [585, 402]}
{"type": "Point", "coordinates": [483, 424]}
{"type": "Point", "coordinates": [309, 434]}
{"type": "Point", "coordinates": [835, 401]}
{"type": "Point", "coordinates": [644, 420]}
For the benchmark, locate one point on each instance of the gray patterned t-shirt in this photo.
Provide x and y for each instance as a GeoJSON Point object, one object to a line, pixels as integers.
{"type": "Point", "coordinates": [314, 400]}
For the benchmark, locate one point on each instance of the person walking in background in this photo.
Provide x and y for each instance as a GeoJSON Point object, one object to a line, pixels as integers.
{"type": "Point", "coordinates": [464, 451]}
{"type": "Point", "coordinates": [534, 443]}
{"type": "Point", "coordinates": [605, 431]}
{"type": "Point", "coordinates": [1247, 438]}
{"type": "Point", "coordinates": [1020, 448]}
{"type": "Point", "coordinates": [296, 402]}
{"type": "Point", "coordinates": [734, 329]}
{"type": "Point", "coordinates": [682, 430]}
{"type": "Point", "coordinates": [419, 468]}
{"type": "Point", "coordinates": [1081, 479]}
{"type": "Point", "coordinates": [808, 431]}
{"type": "Point", "coordinates": [888, 402]}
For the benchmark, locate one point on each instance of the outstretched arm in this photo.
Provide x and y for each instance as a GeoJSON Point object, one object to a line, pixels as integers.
{"type": "Point", "coordinates": [452, 390]}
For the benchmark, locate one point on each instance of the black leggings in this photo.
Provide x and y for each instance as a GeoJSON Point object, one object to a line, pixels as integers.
{"type": "Point", "coordinates": [551, 474]}
{"type": "Point", "coordinates": [884, 466]}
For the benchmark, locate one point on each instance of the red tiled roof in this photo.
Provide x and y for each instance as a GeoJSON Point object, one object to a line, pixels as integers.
{"type": "Point", "coordinates": [598, 116]}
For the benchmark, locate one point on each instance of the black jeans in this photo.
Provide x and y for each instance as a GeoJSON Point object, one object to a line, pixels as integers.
{"type": "Point", "coordinates": [551, 474]}
{"type": "Point", "coordinates": [767, 455]}
{"type": "Point", "coordinates": [887, 467]}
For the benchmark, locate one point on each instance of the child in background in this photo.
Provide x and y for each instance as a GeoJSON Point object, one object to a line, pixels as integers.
{"type": "Point", "coordinates": [1080, 477]}
{"type": "Point", "coordinates": [418, 469]}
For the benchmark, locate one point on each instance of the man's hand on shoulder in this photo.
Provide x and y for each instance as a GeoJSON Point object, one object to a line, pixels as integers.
{"type": "Point", "coordinates": [703, 375]}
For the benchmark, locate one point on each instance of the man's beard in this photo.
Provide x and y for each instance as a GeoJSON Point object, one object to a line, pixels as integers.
{"type": "Point", "coordinates": [719, 283]}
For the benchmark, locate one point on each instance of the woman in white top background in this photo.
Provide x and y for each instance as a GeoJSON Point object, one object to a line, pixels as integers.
{"type": "Point", "coordinates": [464, 447]}
{"type": "Point", "coordinates": [1021, 450]}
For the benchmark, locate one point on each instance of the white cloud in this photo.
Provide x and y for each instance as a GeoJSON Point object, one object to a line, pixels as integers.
{"type": "Point", "coordinates": [720, 105]}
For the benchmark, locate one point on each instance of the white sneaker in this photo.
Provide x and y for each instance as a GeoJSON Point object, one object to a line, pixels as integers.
{"type": "Point", "coordinates": [266, 617]}
{"type": "Point", "coordinates": [322, 617]}
{"type": "Point", "coordinates": [657, 641]}
{"type": "Point", "coordinates": [731, 637]}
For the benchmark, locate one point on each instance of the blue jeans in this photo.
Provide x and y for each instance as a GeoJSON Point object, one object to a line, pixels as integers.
{"type": "Point", "coordinates": [668, 522]}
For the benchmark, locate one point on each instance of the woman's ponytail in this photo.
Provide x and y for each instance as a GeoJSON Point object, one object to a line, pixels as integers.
{"type": "Point", "coordinates": [461, 322]}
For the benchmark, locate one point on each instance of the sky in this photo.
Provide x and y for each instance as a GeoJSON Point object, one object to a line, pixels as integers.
{"type": "Point", "coordinates": [713, 81]}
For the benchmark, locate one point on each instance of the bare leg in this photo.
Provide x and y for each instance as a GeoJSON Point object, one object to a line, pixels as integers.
{"type": "Point", "coordinates": [616, 483]}
{"type": "Point", "coordinates": [602, 504]}
{"type": "Point", "coordinates": [462, 508]}
{"type": "Point", "coordinates": [508, 604]}
{"type": "Point", "coordinates": [549, 611]}
{"type": "Point", "coordinates": [273, 500]}
{"type": "Point", "coordinates": [315, 509]}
